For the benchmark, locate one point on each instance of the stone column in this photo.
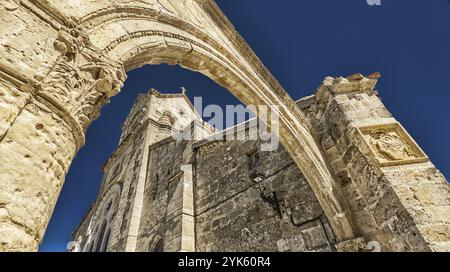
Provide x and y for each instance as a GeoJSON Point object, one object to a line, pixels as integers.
{"type": "Point", "coordinates": [399, 200]}
{"type": "Point", "coordinates": [45, 127]}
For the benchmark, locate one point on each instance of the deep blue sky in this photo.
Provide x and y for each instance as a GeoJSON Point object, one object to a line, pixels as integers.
{"type": "Point", "coordinates": [301, 42]}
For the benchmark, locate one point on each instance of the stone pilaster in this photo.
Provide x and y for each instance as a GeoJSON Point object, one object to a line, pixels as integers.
{"type": "Point", "coordinates": [397, 196]}
{"type": "Point", "coordinates": [180, 236]}
{"type": "Point", "coordinates": [187, 217]}
{"type": "Point", "coordinates": [135, 219]}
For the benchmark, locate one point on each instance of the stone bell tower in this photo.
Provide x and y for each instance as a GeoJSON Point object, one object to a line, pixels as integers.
{"type": "Point", "coordinates": [164, 111]}
{"type": "Point", "coordinates": [113, 221]}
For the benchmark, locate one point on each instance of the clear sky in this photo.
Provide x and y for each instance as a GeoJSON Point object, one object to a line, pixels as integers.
{"type": "Point", "coordinates": [301, 42]}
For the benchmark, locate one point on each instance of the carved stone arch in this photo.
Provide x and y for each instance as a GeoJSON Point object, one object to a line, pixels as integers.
{"type": "Point", "coordinates": [113, 194]}
{"type": "Point", "coordinates": [153, 38]}
{"type": "Point", "coordinates": [94, 43]}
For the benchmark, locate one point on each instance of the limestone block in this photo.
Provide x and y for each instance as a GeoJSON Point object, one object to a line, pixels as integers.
{"type": "Point", "coordinates": [12, 101]}
{"type": "Point", "coordinates": [295, 244]}
{"type": "Point", "coordinates": [354, 245]}
{"type": "Point", "coordinates": [26, 41]}
{"type": "Point", "coordinates": [15, 237]}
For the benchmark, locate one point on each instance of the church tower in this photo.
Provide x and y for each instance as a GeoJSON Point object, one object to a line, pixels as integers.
{"type": "Point", "coordinates": [113, 221]}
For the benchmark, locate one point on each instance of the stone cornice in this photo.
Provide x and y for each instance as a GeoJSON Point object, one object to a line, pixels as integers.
{"type": "Point", "coordinates": [353, 84]}
{"type": "Point", "coordinates": [306, 102]}
{"type": "Point", "coordinates": [14, 77]}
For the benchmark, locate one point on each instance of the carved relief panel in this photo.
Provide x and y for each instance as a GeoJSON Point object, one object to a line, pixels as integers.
{"type": "Point", "coordinates": [392, 145]}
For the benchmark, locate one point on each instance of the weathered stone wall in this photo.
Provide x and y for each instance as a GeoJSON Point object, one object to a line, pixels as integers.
{"type": "Point", "coordinates": [243, 200]}
{"type": "Point", "coordinates": [32, 175]}
{"type": "Point", "coordinates": [233, 212]}
{"type": "Point", "coordinates": [397, 197]}
{"type": "Point", "coordinates": [162, 207]}
{"type": "Point", "coordinates": [225, 195]}
{"type": "Point", "coordinates": [247, 200]}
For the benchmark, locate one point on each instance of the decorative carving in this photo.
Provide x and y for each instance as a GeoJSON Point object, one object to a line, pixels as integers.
{"type": "Point", "coordinates": [167, 119]}
{"type": "Point", "coordinates": [221, 54]}
{"type": "Point", "coordinates": [67, 44]}
{"type": "Point", "coordinates": [392, 145]}
{"type": "Point", "coordinates": [408, 167]}
{"type": "Point", "coordinates": [82, 80]}
{"type": "Point", "coordinates": [102, 81]}
{"type": "Point", "coordinates": [357, 244]}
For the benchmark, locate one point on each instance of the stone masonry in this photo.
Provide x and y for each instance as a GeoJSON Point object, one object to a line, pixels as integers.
{"type": "Point", "coordinates": [62, 61]}
{"type": "Point", "coordinates": [207, 194]}
{"type": "Point", "coordinates": [396, 195]}
{"type": "Point", "coordinates": [200, 195]}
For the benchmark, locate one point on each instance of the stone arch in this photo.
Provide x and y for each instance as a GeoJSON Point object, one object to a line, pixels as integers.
{"type": "Point", "coordinates": [94, 44]}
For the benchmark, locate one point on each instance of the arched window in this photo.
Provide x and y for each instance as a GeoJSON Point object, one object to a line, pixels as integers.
{"type": "Point", "coordinates": [91, 247]}
{"type": "Point", "coordinates": [106, 240]}
{"type": "Point", "coordinates": [103, 221]}
{"type": "Point", "coordinates": [159, 246]}
{"type": "Point", "coordinates": [100, 237]}
{"type": "Point", "coordinates": [155, 192]}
